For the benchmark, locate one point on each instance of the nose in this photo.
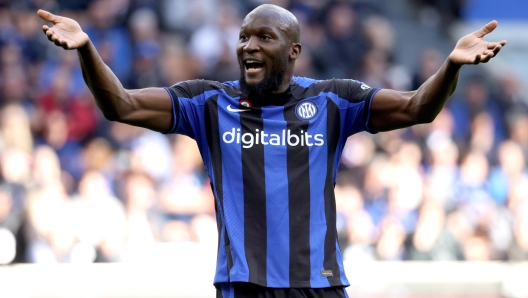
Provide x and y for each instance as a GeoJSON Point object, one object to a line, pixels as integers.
{"type": "Point", "coordinates": [251, 45]}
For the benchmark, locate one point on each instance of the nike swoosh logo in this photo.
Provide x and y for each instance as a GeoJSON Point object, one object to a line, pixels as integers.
{"type": "Point", "coordinates": [230, 109]}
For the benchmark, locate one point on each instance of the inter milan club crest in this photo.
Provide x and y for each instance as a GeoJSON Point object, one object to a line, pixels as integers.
{"type": "Point", "coordinates": [306, 110]}
{"type": "Point", "coordinates": [245, 103]}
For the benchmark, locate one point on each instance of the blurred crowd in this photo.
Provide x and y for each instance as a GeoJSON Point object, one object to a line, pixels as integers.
{"type": "Point", "coordinates": [75, 187]}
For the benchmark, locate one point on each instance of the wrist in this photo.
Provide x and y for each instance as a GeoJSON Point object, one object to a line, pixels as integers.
{"type": "Point", "coordinates": [453, 63]}
{"type": "Point", "coordinates": [87, 44]}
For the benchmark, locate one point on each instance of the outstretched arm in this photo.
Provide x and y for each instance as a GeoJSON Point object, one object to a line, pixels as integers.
{"type": "Point", "coordinates": [393, 109]}
{"type": "Point", "coordinates": [150, 107]}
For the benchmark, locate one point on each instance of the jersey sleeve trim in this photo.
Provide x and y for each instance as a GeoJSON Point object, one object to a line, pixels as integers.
{"type": "Point", "coordinates": [366, 110]}
{"type": "Point", "coordinates": [175, 110]}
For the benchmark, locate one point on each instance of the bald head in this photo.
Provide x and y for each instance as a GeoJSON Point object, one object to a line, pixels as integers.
{"type": "Point", "coordinates": [278, 16]}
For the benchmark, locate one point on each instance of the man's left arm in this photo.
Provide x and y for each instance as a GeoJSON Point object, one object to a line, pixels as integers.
{"type": "Point", "coordinates": [391, 109]}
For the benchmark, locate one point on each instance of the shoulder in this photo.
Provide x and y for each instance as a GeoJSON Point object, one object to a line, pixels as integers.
{"type": "Point", "coordinates": [311, 87]}
{"type": "Point", "coordinates": [193, 88]}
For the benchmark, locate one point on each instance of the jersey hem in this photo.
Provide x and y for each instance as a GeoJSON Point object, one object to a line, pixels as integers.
{"type": "Point", "coordinates": [283, 285]}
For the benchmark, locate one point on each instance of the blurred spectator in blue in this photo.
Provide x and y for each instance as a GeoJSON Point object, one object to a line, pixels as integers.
{"type": "Point", "coordinates": [188, 192]}
{"type": "Point", "coordinates": [109, 37]}
{"type": "Point", "coordinates": [14, 85]}
{"type": "Point", "coordinates": [150, 152]}
{"type": "Point", "coordinates": [471, 190]}
{"type": "Point", "coordinates": [56, 135]}
{"type": "Point", "coordinates": [511, 168]}
{"type": "Point", "coordinates": [345, 44]}
{"type": "Point", "coordinates": [475, 100]}
{"type": "Point", "coordinates": [430, 61]}
{"type": "Point", "coordinates": [442, 170]}
{"type": "Point", "coordinates": [143, 26]}
{"type": "Point", "coordinates": [375, 188]}
{"type": "Point", "coordinates": [349, 202]}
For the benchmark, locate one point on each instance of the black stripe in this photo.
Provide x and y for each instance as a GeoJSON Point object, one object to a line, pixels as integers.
{"type": "Point", "coordinates": [255, 229]}
{"type": "Point", "coordinates": [219, 292]}
{"type": "Point", "coordinates": [213, 139]}
{"type": "Point", "coordinates": [299, 202]}
{"type": "Point", "coordinates": [330, 252]}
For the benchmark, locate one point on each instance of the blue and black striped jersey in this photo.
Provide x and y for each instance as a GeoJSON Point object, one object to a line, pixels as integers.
{"type": "Point", "coordinates": [272, 171]}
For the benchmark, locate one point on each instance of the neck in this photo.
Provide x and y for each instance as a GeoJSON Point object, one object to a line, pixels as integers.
{"type": "Point", "coordinates": [285, 84]}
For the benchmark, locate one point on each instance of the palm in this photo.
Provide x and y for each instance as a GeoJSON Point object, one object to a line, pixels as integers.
{"type": "Point", "coordinates": [66, 33]}
{"type": "Point", "coordinates": [472, 49]}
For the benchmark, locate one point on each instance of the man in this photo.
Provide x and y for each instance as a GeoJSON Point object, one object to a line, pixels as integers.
{"type": "Point", "coordinates": [271, 144]}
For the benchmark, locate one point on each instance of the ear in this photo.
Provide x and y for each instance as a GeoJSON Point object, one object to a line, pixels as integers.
{"type": "Point", "coordinates": [295, 51]}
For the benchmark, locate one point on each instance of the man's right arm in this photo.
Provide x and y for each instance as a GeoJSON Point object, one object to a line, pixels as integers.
{"type": "Point", "coordinates": [150, 107]}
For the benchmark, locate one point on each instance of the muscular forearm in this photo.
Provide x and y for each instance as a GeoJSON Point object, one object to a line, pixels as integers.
{"type": "Point", "coordinates": [430, 98]}
{"type": "Point", "coordinates": [109, 94]}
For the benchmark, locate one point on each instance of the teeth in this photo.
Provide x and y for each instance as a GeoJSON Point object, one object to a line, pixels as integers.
{"type": "Point", "coordinates": [252, 61]}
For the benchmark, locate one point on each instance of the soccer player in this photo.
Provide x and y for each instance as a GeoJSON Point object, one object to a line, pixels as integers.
{"type": "Point", "coordinates": [271, 144]}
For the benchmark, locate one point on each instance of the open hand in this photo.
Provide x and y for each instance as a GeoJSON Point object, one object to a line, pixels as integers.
{"type": "Point", "coordinates": [65, 33]}
{"type": "Point", "coordinates": [471, 49]}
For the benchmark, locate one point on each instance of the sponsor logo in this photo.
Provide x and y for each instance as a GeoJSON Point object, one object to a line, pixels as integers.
{"type": "Point", "coordinates": [365, 87]}
{"type": "Point", "coordinates": [235, 110]}
{"type": "Point", "coordinates": [325, 273]}
{"type": "Point", "coordinates": [285, 138]}
{"type": "Point", "coordinates": [306, 110]}
{"type": "Point", "coordinates": [245, 103]}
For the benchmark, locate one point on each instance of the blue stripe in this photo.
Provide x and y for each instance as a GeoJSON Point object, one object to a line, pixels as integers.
{"type": "Point", "coordinates": [369, 107]}
{"type": "Point", "coordinates": [304, 82]}
{"type": "Point", "coordinates": [353, 114]}
{"type": "Point", "coordinates": [278, 232]}
{"type": "Point", "coordinates": [233, 187]}
{"type": "Point", "coordinates": [174, 116]}
{"type": "Point", "coordinates": [228, 290]}
{"type": "Point", "coordinates": [318, 167]}
{"type": "Point", "coordinates": [221, 261]}
{"type": "Point", "coordinates": [344, 280]}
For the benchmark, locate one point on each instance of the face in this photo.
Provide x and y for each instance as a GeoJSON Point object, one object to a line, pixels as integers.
{"type": "Point", "coordinates": [263, 54]}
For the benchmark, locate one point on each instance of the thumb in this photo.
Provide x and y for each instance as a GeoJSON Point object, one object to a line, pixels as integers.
{"type": "Point", "coordinates": [48, 16]}
{"type": "Point", "coordinates": [488, 28]}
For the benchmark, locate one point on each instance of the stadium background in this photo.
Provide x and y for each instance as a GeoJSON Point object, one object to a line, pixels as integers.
{"type": "Point", "coordinates": [437, 210]}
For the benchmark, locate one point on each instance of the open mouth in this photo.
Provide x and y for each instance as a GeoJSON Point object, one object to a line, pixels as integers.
{"type": "Point", "coordinates": [253, 65]}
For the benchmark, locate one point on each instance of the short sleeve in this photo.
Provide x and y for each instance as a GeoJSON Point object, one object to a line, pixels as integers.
{"type": "Point", "coordinates": [186, 101]}
{"type": "Point", "coordinates": [361, 92]}
{"type": "Point", "coordinates": [356, 92]}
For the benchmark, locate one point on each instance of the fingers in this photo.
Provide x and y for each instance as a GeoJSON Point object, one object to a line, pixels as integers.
{"type": "Point", "coordinates": [48, 16]}
{"type": "Point", "coordinates": [488, 28]}
{"type": "Point", "coordinates": [486, 56]}
{"type": "Point", "coordinates": [54, 38]}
